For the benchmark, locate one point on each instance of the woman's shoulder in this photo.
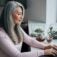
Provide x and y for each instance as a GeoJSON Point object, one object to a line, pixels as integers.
{"type": "Point", "coordinates": [2, 32]}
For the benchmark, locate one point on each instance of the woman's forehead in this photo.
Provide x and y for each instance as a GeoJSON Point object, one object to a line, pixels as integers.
{"type": "Point", "coordinates": [18, 9]}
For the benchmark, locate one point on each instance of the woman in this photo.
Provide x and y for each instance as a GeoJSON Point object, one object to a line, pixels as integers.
{"type": "Point", "coordinates": [12, 35]}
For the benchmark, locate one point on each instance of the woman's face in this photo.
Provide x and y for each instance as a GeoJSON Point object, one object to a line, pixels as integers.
{"type": "Point", "coordinates": [17, 15]}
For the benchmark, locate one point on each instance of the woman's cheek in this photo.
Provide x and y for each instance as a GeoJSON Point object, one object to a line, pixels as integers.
{"type": "Point", "coordinates": [16, 17]}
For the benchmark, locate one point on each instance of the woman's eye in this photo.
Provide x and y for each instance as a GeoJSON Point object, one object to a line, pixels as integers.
{"type": "Point", "coordinates": [19, 14]}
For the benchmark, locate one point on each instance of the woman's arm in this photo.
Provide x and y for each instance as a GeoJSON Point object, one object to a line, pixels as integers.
{"type": "Point", "coordinates": [7, 45]}
{"type": "Point", "coordinates": [9, 48]}
{"type": "Point", "coordinates": [32, 42]}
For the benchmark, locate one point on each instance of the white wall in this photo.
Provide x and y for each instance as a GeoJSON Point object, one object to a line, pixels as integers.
{"type": "Point", "coordinates": [56, 10]}
{"type": "Point", "coordinates": [50, 14]}
{"type": "Point", "coordinates": [36, 10]}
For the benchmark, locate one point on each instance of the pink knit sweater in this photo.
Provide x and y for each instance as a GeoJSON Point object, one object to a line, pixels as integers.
{"type": "Point", "coordinates": [8, 48]}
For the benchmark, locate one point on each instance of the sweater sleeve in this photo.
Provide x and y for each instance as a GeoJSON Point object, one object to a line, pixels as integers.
{"type": "Point", "coordinates": [32, 42]}
{"type": "Point", "coordinates": [9, 48]}
{"type": "Point", "coordinates": [7, 45]}
{"type": "Point", "coordinates": [35, 53]}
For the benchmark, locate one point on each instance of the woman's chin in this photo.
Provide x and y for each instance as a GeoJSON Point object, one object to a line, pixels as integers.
{"type": "Point", "coordinates": [17, 22]}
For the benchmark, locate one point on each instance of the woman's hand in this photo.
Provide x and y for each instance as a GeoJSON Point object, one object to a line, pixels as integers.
{"type": "Point", "coordinates": [54, 47]}
{"type": "Point", "coordinates": [50, 51]}
{"type": "Point", "coordinates": [48, 47]}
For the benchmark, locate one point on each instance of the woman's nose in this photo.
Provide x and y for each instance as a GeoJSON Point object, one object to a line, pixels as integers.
{"type": "Point", "coordinates": [21, 17]}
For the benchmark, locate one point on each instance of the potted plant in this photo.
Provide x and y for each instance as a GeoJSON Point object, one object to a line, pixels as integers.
{"type": "Point", "coordinates": [39, 36]}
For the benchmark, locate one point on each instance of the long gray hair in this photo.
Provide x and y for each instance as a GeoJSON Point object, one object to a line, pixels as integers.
{"type": "Point", "coordinates": [13, 30]}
